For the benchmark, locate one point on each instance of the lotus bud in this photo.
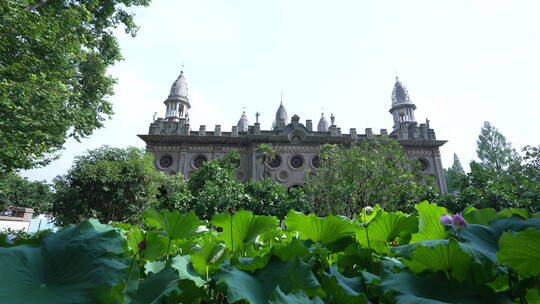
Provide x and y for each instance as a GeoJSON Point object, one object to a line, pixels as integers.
{"type": "Point", "coordinates": [445, 219]}
{"type": "Point", "coordinates": [142, 245]}
{"type": "Point", "coordinates": [459, 221]}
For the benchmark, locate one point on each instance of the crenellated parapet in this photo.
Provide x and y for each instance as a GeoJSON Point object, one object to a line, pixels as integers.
{"type": "Point", "coordinates": [180, 149]}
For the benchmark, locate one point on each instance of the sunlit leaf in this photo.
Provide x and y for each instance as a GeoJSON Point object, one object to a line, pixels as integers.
{"type": "Point", "coordinates": [242, 228]}
{"type": "Point", "coordinates": [321, 230]}
{"type": "Point", "coordinates": [521, 251]}
{"type": "Point", "coordinates": [174, 224]}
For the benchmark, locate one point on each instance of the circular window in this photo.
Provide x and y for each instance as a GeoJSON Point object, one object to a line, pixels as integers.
{"type": "Point", "coordinates": [199, 160]}
{"type": "Point", "coordinates": [297, 161]}
{"type": "Point", "coordinates": [283, 176]}
{"type": "Point", "coordinates": [424, 164]}
{"type": "Point", "coordinates": [275, 162]}
{"type": "Point", "coordinates": [316, 162]}
{"type": "Point", "coordinates": [166, 161]}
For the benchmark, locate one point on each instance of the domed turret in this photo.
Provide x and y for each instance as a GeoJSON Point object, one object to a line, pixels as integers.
{"type": "Point", "coordinates": [399, 93]}
{"type": "Point", "coordinates": [322, 126]}
{"type": "Point", "coordinates": [179, 87]}
{"type": "Point", "coordinates": [178, 102]}
{"type": "Point", "coordinates": [243, 123]}
{"type": "Point", "coordinates": [402, 108]}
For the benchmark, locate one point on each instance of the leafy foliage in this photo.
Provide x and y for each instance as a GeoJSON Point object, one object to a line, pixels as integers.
{"type": "Point", "coordinates": [493, 149]}
{"type": "Point", "coordinates": [247, 258]}
{"type": "Point", "coordinates": [53, 83]}
{"type": "Point", "coordinates": [110, 184]}
{"type": "Point", "coordinates": [20, 192]}
{"type": "Point", "coordinates": [368, 173]}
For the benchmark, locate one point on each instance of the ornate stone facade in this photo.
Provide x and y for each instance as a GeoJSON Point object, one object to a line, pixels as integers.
{"type": "Point", "coordinates": [178, 149]}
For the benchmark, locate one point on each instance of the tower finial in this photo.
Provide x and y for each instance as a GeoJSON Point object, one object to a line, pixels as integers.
{"type": "Point", "coordinates": [281, 101]}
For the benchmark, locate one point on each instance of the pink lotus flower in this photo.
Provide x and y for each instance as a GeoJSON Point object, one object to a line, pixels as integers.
{"type": "Point", "coordinates": [459, 222]}
{"type": "Point", "coordinates": [445, 219]}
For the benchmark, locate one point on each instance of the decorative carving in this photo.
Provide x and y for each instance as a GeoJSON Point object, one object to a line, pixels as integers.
{"type": "Point", "coordinates": [166, 161]}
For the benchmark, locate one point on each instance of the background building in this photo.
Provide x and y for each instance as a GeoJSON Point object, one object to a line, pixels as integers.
{"type": "Point", "coordinates": [179, 149]}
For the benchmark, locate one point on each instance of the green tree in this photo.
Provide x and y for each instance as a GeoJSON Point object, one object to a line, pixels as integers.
{"type": "Point", "coordinates": [54, 55]}
{"type": "Point", "coordinates": [174, 194]}
{"type": "Point", "coordinates": [266, 153]}
{"type": "Point", "coordinates": [20, 192]}
{"type": "Point", "coordinates": [110, 184]}
{"type": "Point", "coordinates": [492, 148]}
{"type": "Point", "coordinates": [371, 172]}
{"type": "Point", "coordinates": [453, 174]}
{"type": "Point", "coordinates": [270, 198]}
{"type": "Point", "coordinates": [214, 188]}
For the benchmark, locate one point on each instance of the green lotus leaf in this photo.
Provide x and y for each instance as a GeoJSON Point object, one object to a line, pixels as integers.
{"type": "Point", "coordinates": [340, 289]}
{"type": "Point", "coordinates": [429, 226]}
{"type": "Point", "coordinates": [156, 246]}
{"type": "Point", "coordinates": [182, 264]}
{"type": "Point", "coordinates": [154, 266]}
{"type": "Point", "coordinates": [133, 235]}
{"type": "Point", "coordinates": [506, 213]}
{"type": "Point", "coordinates": [258, 287]}
{"type": "Point", "coordinates": [155, 286]}
{"type": "Point", "coordinates": [250, 264]}
{"type": "Point", "coordinates": [407, 288]}
{"type": "Point", "coordinates": [479, 216]}
{"type": "Point", "coordinates": [188, 292]}
{"type": "Point", "coordinates": [356, 257]}
{"type": "Point", "coordinates": [207, 258]}
{"type": "Point", "coordinates": [485, 239]}
{"type": "Point", "coordinates": [295, 297]}
{"type": "Point", "coordinates": [73, 265]}
{"type": "Point", "coordinates": [320, 230]}
{"type": "Point", "coordinates": [438, 255]}
{"type": "Point", "coordinates": [242, 228]}
{"type": "Point", "coordinates": [387, 227]}
{"type": "Point", "coordinates": [174, 224]}
{"type": "Point", "coordinates": [287, 252]}
{"type": "Point", "coordinates": [521, 252]}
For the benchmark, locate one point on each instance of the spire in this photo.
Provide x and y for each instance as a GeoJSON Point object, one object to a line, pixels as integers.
{"type": "Point", "coordinates": [322, 126]}
{"type": "Point", "coordinates": [243, 123]}
{"type": "Point", "coordinates": [281, 113]}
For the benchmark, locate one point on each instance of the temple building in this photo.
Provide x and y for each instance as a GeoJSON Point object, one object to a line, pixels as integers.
{"type": "Point", "coordinates": [179, 149]}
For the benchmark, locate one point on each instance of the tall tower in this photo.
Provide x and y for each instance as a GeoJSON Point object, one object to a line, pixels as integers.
{"type": "Point", "coordinates": [402, 108]}
{"type": "Point", "coordinates": [178, 102]}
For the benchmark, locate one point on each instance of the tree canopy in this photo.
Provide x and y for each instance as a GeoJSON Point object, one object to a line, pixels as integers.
{"type": "Point", "coordinates": [109, 184]}
{"type": "Point", "coordinates": [453, 174]}
{"type": "Point", "coordinates": [20, 192]}
{"type": "Point", "coordinates": [492, 148]}
{"type": "Point", "coordinates": [53, 83]}
{"type": "Point", "coordinates": [368, 173]}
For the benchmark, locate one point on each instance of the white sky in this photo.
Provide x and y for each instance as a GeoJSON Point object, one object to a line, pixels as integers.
{"type": "Point", "coordinates": [462, 61]}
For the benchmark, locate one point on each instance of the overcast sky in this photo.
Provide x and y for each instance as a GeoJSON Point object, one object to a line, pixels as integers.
{"type": "Point", "coordinates": [463, 62]}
